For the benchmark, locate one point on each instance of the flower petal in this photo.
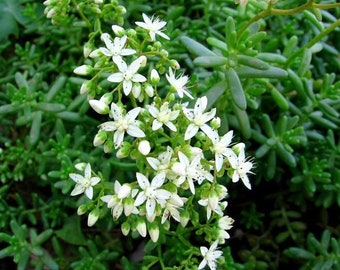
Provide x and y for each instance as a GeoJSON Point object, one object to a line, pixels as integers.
{"type": "Point", "coordinates": [190, 132]}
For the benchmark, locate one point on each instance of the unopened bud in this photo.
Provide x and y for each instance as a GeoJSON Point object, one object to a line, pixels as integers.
{"type": "Point", "coordinates": [95, 53]}
{"type": "Point", "coordinates": [87, 49]}
{"type": "Point", "coordinates": [174, 64]}
{"type": "Point", "coordinates": [154, 232]}
{"type": "Point", "coordinates": [93, 217]}
{"type": "Point", "coordinates": [215, 123]}
{"type": "Point", "coordinates": [154, 77]}
{"type": "Point", "coordinates": [99, 106]}
{"type": "Point", "coordinates": [83, 70]}
{"type": "Point", "coordinates": [125, 227]}
{"type": "Point", "coordinates": [106, 98]}
{"type": "Point", "coordinates": [144, 147]}
{"type": "Point", "coordinates": [184, 218]}
{"type": "Point", "coordinates": [136, 90]}
{"type": "Point", "coordinates": [100, 138]}
{"type": "Point", "coordinates": [118, 30]}
{"type": "Point", "coordinates": [149, 90]}
{"type": "Point", "coordinates": [141, 228]}
{"type": "Point", "coordinates": [80, 166]}
{"type": "Point", "coordinates": [82, 209]}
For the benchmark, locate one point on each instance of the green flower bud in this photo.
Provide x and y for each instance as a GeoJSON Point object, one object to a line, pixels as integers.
{"type": "Point", "coordinates": [154, 77]}
{"type": "Point", "coordinates": [215, 123]}
{"type": "Point", "coordinates": [93, 217]}
{"type": "Point", "coordinates": [100, 138]}
{"type": "Point", "coordinates": [82, 209]}
{"type": "Point", "coordinates": [125, 227]}
{"type": "Point", "coordinates": [83, 70]}
{"type": "Point", "coordinates": [154, 232]}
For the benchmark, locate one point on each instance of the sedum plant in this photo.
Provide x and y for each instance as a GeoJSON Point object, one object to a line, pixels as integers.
{"type": "Point", "coordinates": [151, 119]}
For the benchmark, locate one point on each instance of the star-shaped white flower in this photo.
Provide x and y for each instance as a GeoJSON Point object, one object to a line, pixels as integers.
{"type": "Point", "coordinates": [115, 48]}
{"type": "Point", "coordinates": [153, 25]}
{"type": "Point", "coordinates": [151, 193]}
{"type": "Point", "coordinates": [171, 208]}
{"type": "Point", "coordinates": [199, 119]}
{"type": "Point", "coordinates": [128, 74]}
{"type": "Point", "coordinates": [221, 149]}
{"type": "Point", "coordinates": [240, 165]}
{"type": "Point", "coordinates": [163, 115]}
{"type": "Point", "coordinates": [210, 256]}
{"type": "Point", "coordinates": [190, 171]}
{"type": "Point", "coordinates": [162, 162]}
{"type": "Point", "coordinates": [121, 201]}
{"type": "Point", "coordinates": [123, 123]}
{"type": "Point", "coordinates": [84, 184]}
{"type": "Point", "coordinates": [179, 83]}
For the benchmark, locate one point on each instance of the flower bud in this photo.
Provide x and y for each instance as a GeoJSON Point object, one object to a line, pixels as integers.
{"type": "Point", "coordinates": [100, 138]}
{"type": "Point", "coordinates": [98, 1]}
{"type": "Point", "coordinates": [165, 53]}
{"type": "Point", "coordinates": [108, 146]}
{"type": "Point", "coordinates": [184, 218]}
{"type": "Point", "coordinates": [125, 227]}
{"type": "Point", "coordinates": [118, 30]}
{"type": "Point", "coordinates": [136, 90]}
{"type": "Point", "coordinates": [213, 200]}
{"type": "Point", "coordinates": [154, 232]}
{"type": "Point", "coordinates": [49, 13]}
{"type": "Point", "coordinates": [80, 166]}
{"type": "Point", "coordinates": [93, 217]}
{"type": "Point", "coordinates": [129, 206]}
{"type": "Point", "coordinates": [82, 209]}
{"type": "Point", "coordinates": [149, 90]}
{"type": "Point", "coordinates": [215, 123]}
{"type": "Point", "coordinates": [143, 60]}
{"type": "Point", "coordinates": [154, 77]}
{"type": "Point", "coordinates": [87, 49]}
{"type": "Point", "coordinates": [83, 70]}
{"type": "Point", "coordinates": [174, 64]}
{"type": "Point", "coordinates": [144, 147]}
{"type": "Point", "coordinates": [106, 98]}
{"type": "Point", "coordinates": [85, 87]}
{"type": "Point", "coordinates": [95, 53]}
{"type": "Point", "coordinates": [131, 33]}
{"type": "Point", "coordinates": [124, 150]}
{"type": "Point", "coordinates": [99, 106]}
{"type": "Point", "coordinates": [238, 148]}
{"type": "Point", "coordinates": [141, 228]}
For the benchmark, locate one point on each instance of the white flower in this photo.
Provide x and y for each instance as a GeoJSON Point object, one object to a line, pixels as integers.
{"type": "Point", "coordinates": [162, 163]}
{"type": "Point", "coordinates": [99, 106]}
{"type": "Point", "coordinates": [151, 193]}
{"type": "Point", "coordinates": [190, 171]}
{"type": "Point", "coordinates": [115, 48]}
{"type": "Point", "coordinates": [84, 184]}
{"type": "Point", "coordinates": [224, 224]}
{"type": "Point", "coordinates": [128, 74]}
{"type": "Point", "coordinates": [179, 83]}
{"type": "Point", "coordinates": [199, 119]}
{"type": "Point", "coordinates": [171, 208]}
{"type": "Point", "coordinates": [121, 201]}
{"type": "Point", "coordinates": [163, 115]}
{"type": "Point", "coordinates": [153, 25]}
{"type": "Point", "coordinates": [210, 256]}
{"type": "Point", "coordinates": [220, 148]}
{"type": "Point", "coordinates": [122, 124]}
{"type": "Point", "coordinates": [240, 166]}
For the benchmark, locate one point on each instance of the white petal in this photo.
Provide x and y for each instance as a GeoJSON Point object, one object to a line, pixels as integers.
{"type": "Point", "coordinates": [140, 199]}
{"type": "Point", "coordinates": [158, 180]}
{"type": "Point", "coordinates": [142, 181]}
{"type": "Point", "coordinates": [78, 189]}
{"type": "Point", "coordinates": [135, 131]}
{"type": "Point", "coordinates": [89, 193]}
{"type": "Point", "coordinates": [87, 173]}
{"type": "Point", "coordinates": [156, 124]}
{"type": "Point", "coordinates": [116, 77]}
{"type": "Point", "coordinates": [95, 181]}
{"type": "Point", "coordinates": [218, 161]}
{"type": "Point", "coordinates": [150, 206]}
{"type": "Point", "coordinates": [202, 264]}
{"type": "Point", "coordinates": [108, 126]}
{"type": "Point", "coordinates": [118, 138]}
{"type": "Point", "coordinates": [245, 181]}
{"type": "Point", "coordinates": [171, 126]}
{"type": "Point", "coordinates": [127, 86]}
{"type": "Point", "coordinates": [190, 132]}
{"type": "Point", "coordinates": [138, 78]}
{"type": "Point", "coordinates": [154, 162]}
{"type": "Point", "coordinates": [163, 194]}
{"type": "Point", "coordinates": [208, 131]}
{"type": "Point", "coordinates": [76, 177]}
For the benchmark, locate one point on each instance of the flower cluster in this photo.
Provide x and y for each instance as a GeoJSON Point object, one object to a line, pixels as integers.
{"type": "Point", "coordinates": [178, 150]}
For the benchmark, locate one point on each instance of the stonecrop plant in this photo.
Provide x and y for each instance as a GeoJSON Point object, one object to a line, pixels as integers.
{"type": "Point", "coordinates": [151, 117]}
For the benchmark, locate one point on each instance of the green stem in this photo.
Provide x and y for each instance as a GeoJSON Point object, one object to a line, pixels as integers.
{"type": "Point", "coordinates": [326, 6]}
{"type": "Point", "coordinates": [81, 14]}
{"type": "Point", "coordinates": [160, 256]}
{"type": "Point", "coordinates": [315, 40]}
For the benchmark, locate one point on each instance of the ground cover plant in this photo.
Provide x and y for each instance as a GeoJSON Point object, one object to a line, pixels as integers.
{"type": "Point", "coordinates": [169, 134]}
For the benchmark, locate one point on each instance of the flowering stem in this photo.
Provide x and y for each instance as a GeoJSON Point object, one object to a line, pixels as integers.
{"type": "Point", "coordinates": [160, 256]}
{"type": "Point", "coordinates": [315, 40]}
{"type": "Point", "coordinates": [285, 12]}
{"type": "Point", "coordinates": [81, 14]}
